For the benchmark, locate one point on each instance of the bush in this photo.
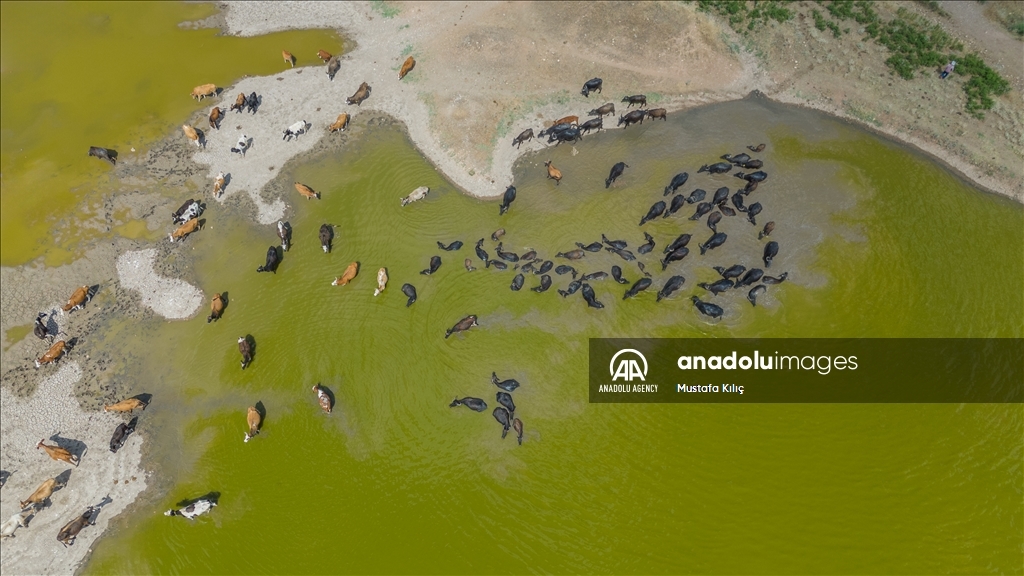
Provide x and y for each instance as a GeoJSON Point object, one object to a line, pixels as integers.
{"type": "Point", "coordinates": [984, 83]}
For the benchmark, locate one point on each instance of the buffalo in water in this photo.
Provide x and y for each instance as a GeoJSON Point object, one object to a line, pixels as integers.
{"type": "Point", "coordinates": [507, 385]}
{"type": "Point", "coordinates": [773, 280]}
{"type": "Point", "coordinates": [674, 256]}
{"type": "Point", "coordinates": [517, 282]}
{"type": "Point", "coordinates": [503, 417]}
{"type": "Point", "coordinates": [696, 196]}
{"type": "Point", "coordinates": [755, 292]}
{"type": "Point", "coordinates": [571, 288]}
{"type": "Point", "coordinates": [507, 199]}
{"type": "Point", "coordinates": [104, 154]}
{"type": "Point", "coordinates": [707, 308]}
{"type": "Point", "coordinates": [679, 242]}
{"type": "Point", "coordinates": [716, 168]}
{"type": "Point", "coordinates": [716, 240]}
{"type": "Point", "coordinates": [410, 291]}
{"type": "Point", "coordinates": [771, 249]}
{"type": "Point", "coordinates": [702, 209]}
{"type": "Point", "coordinates": [640, 285]}
{"type": "Point", "coordinates": [545, 283]}
{"type": "Point", "coordinates": [674, 283]}
{"type": "Point", "coordinates": [655, 211]}
{"type": "Point", "coordinates": [624, 254]}
{"type": "Point", "coordinates": [647, 246]}
{"type": "Point", "coordinates": [616, 171]}
{"type": "Point", "coordinates": [590, 297]}
{"type": "Point", "coordinates": [632, 118]}
{"type": "Point", "coordinates": [752, 211]}
{"type": "Point", "coordinates": [462, 325]}
{"type": "Point", "coordinates": [453, 246]}
{"type": "Point", "coordinates": [713, 219]}
{"type": "Point", "coordinates": [677, 181]}
{"type": "Point", "coordinates": [767, 230]}
{"type": "Point", "coordinates": [506, 256]}
{"type": "Point", "coordinates": [734, 271]}
{"type": "Point", "coordinates": [618, 244]}
{"type": "Point", "coordinates": [718, 287]}
{"type": "Point", "coordinates": [617, 275]}
{"type": "Point", "coordinates": [750, 278]}
{"type": "Point", "coordinates": [592, 124]}
{"type": "Point", "coordinates": [505, 399]}
{"type": "Point", "coordinates": [272, 261]}
{"type": "Point", "coordinates": [435, 263]}
{"type": "Point", "coordinates": [474, 404]}
{"type": "Point", "coordinates": [592, 247]}
{"type": "Point", "coordinates": [721, 195]}
{"type": "Point", "coordinates": [678, 201]}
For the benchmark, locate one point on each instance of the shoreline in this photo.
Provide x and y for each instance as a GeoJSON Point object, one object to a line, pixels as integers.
{"type": "Point", "coordinates": [398, 101]}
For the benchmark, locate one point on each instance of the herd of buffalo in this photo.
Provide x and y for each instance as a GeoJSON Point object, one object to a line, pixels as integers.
{"type": "Point", "coordinates": [568, 129]}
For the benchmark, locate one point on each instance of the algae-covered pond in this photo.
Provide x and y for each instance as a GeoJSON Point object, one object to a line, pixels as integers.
{"type": "Point", "coordinates": [879, 242]}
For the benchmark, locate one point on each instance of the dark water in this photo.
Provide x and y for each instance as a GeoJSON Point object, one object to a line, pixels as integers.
{"type": "Point", "coordinates": [878, 242]}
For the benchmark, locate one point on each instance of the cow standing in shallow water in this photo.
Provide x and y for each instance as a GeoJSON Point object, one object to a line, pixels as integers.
{"type": "Point", "coordinates": [326, 236]}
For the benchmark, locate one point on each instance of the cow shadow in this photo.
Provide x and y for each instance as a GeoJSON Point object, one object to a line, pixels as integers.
{"type": "Point", "coordinates": [145, 398]}
{"type": "Point", "coordinates": [227, 181]}
{"type": "Point", "coordinates": [4, 477]}
{"type": "Point", "coordinates": [212, 496]}
{"type": "Point", "coordinates": [52, 328]}
{"type": "Point", "coordinates": [76, 447]}
{"type": "Point", "coordinates": [252, 346]}
{"type": "Point", "coordinates": [225, 300]}
{"type": "Point", "coordinates": [96, 509]}
{"type": "Point", "coordinates": [262, 410]}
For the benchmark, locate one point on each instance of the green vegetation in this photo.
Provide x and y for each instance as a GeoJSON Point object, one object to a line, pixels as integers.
{"type": "Point", "coordinates": [384, 9]}
{"type": "Point", "coordinates": [821, 24]}
{"type": "Point", "coordinates": [914, 43]}
{"type": "Point", "coordinates": [742, 18]}
{"type": "Point", "coordinates": [983, 83]}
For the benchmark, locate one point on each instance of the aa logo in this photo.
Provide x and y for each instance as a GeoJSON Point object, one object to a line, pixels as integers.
{"type": "Point", "coordinates": [627, 368]}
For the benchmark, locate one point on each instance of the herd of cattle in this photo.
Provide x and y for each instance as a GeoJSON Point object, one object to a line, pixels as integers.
{"type": "Point", "coordinates": [567, 129]}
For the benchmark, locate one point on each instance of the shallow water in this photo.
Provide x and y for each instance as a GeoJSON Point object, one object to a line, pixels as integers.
{"type": "Point", "coordinates": [110, 74]}
{"type": "Point", "coordinates": [878, 241]}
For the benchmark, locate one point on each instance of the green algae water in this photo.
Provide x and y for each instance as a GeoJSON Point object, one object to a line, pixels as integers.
{"type": "Point", "coordinates": [878, 242]}
{"type": "Point", "coordinates": [110, 74]}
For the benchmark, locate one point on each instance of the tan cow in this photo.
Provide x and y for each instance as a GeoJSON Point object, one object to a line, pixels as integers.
{"type": "Point", "coordinates": [77, 300]}
{"type": "Point", "coordinates": [216, 308]}
{"type": "Point", "coordinates": [218, 185]}
{"type": "Point", "coordinates": [58, 453]}
{"type": "Point", "coordinates": [340, 124]}
{"type": "Point", "coordinates": [307, 191]}
{"type": "Point", "coordinates": [200, 92]}
{"type": "Point", "coordinates": [190, 133]}
{"type": "Point", "coordinates": [253, 419]}
{"type": "Point", "coordinates": [185, 229]}
{"type": "Point", "coordinates": [127, 405]}
{"type": "Point", "coordinates": [361, 94]}
{"type": "Point", "coordinates": [53, 354]}
{"type": "Point", "coordinates": [347, 275]}
{"type": "Point", "coordinates": [553, 173]}
{"type": "Point", "coordinates": [567, 120]}
{"type": "Point", "coordinates": [323, 55]}
{"type": "Point", "coordinates": [382, 281]}
{"type": "Point", "coordinates": [44, 491]}
{"type": "Point", "coordinates": [407, 67]}
{"type": "Point", "coordinates": [288, 57]}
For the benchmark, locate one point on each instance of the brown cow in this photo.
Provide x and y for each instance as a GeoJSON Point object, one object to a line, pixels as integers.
{"type": "Point", "coordinates": [361, 94]}
{"type": "Point", "coordinates": [253, 419]}
{"type": "Point", "coordinates": [554, 173]}
{"type": "Point", "coordinates": [216, 308]}
{"type": "Point", "coordinates": [407, 67]}
{"type": "Point", "coordinates": [307, 191]}
{"type": "Point", "coordinates": [200, 92]}
{"type": "Point", "coordinates": [239, 103]}
{"type": "Point", "coordinates": [58, 453]}
{"type": "Point", "coordinates": [658, 113]}
{"type": "Point", "coordinates": [127, 405]}
{"type": "Point", "coordinates": [567, 120]}
{"type": "Point", "coordinates": [340, 124]}
{"type": "Point", "coordinates": [288, 57]}
{"type": "Point", "coordinates": [215, 116]}
{"type": "Point", "coordinates": [324, 55]}
{"type": "Point", "coordinates": [53, 354]}
{"type": "Point", "coordinates": [347, 275]}
{"type": "Point", "coordinates": [44, 491]}
{"type": "Point", "coordinates": [77, 300]}
{"type": "Point", "coordinates": [185, 229]}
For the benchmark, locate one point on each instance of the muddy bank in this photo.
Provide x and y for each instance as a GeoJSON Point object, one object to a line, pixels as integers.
{"type": "Point", "coordinates": [110, 481]}
{"type": "Point", "coordinates": [485, 72]}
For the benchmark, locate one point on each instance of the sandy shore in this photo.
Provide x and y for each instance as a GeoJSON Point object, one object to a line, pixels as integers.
{"type": "Point", "coordinates": [112, 481]}
{"type": "Point", "coordinates": [169, 297]}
